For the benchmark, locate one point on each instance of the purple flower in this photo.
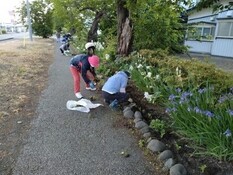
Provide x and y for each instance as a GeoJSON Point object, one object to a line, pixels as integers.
{"type": "Point", "coordinates": [230, 112]}
{"type": "Point", "coordinates": [208, 114]}
{"type": "Point", "coordinates": [172, 97]}
{"type": "Point", "coordinates": [227, 133]}
{"type": "Point", "coordinates": [168, 110]}
{"type": "Point", "coordinates": [174, 109]}
{"type": "Point", "coordinates": [222, 99]}
{"type": "Point", "coordinates": [187, 94]}
{"type": "Point", "coordinates": [183, 101]}
{"type": "Point", "coordinates": [189, 109]}
{"type": "Point", "coordinates": [197, 110]}
{"type": "Point", "coordinates": [201, 91]}
{"type": "Point", "coordinates": [184, 96]}
{"type": "Point", "coordinates": [231, 89]}
{"type": "Point", "coordinates": [178, 90]}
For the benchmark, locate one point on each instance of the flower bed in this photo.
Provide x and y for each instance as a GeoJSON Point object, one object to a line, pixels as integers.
{"type": "Point", "coordinates": [197, 99]}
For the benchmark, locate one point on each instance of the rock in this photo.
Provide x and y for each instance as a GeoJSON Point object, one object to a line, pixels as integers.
{"type": "Point", "coordinates": [144, 130]}
{"type": "Point", "coordinates": [165, 155]}
{"type": "Point", "coordinates": [137, 120]}
{"type": "Point", "coordinates": [138, 115]}
{"type": "Point", "coordinates": [149, 139]}
{"type": "Point", "coordinates": [156, 146]}
{"type": "Point", "coordinates": [178, 169]}
{"type": "Point", "coordinates": [226, 172]}
{"type": "Point", "coordinates": [126, 109]}
{"type": "Point", "coordinates": [4, 114]}
{"type": "Point", "coordinates": [125, 154]}
{"type": "Point", "coordinates": [140, 124]}
{"type": "Point", "coordinates": [169, 163]}
{"type": "Point", "coordinates": [128, 114]}
{"type": "Point", "coordinates": [147, 135]}
{"type": "Point", "coordinates": [130, 100]}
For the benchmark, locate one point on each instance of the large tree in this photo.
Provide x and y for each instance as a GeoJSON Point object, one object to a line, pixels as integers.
{"type": "Point", "coordinates": [41, 17]}
{"type": "Point", "coordinates": [124, 29]}
{"type": "Point", "coordinates": [83, 15]}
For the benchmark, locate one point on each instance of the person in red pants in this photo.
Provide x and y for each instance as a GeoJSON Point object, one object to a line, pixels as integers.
{"type": "Point", "coordinates": [85, 65]}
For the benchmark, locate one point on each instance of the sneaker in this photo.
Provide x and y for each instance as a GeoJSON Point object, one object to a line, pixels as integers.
{"type": "Point", "coordinates": [114, 104]}
{"type": "Point", "coordinates": [78, 95]}
{"type": "Point", "coordinates": [93, 89]}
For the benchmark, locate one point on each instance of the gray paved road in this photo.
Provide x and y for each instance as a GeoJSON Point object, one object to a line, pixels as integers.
{"type": "Point", "coordinates": [13, 36]}
{"type": "Point", "coordinates": [63, 142]}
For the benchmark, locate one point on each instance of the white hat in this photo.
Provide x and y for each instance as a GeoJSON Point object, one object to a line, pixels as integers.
{"type": "Point", "coordinates": [89, 44]}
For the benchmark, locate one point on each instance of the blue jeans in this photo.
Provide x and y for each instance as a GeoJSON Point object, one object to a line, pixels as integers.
{"type": "Point", "coordinates": [121, 97]}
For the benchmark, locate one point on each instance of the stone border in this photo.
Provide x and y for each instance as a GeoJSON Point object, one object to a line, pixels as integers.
{"type": "Point", "coordinates": [165, 155]}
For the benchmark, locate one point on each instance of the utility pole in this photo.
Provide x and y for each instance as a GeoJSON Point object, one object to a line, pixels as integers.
{"type": "Point", "coordinates": [29, 20]}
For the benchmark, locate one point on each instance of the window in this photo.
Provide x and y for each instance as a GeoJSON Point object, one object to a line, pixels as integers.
{"type": "Point", "coordinates": [201, 33]}
{"type": "Point", "coordinates": [225, 29]}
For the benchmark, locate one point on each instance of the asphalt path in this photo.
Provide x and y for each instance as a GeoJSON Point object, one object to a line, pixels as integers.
{"type": "Point", "coordinates": [63, 142]}
{"type": "Point", "coordinates": [9, 36]}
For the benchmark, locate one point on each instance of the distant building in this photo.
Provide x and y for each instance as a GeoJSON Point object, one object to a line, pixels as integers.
{"type": "Point", "coordinates": [209, 32]}
{"type": "Point", "coordinates": [12, 25]}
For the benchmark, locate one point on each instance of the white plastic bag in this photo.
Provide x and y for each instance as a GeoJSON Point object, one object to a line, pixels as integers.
{"type": "Point", "coordinates": [82, 105]}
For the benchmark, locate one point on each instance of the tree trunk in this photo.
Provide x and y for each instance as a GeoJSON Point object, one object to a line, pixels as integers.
{"type": "Point", "coordinates": [92, 34]}
{"type": "Point", "coordinates": [124, 30]}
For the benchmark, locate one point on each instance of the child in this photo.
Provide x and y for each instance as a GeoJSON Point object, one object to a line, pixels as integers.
{"type": "Point", "coordinates": [85, 65]}
{"type": "Point", "coordinates": [66, 38]}
{"type": "Point", "coordinates": [58, 35]}
{"type": "Point", "coordinates": [64, 48]}
{"type": "Point", "coordinates": [114, 91]}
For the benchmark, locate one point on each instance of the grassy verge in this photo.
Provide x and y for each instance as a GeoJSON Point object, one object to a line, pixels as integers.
{"type": "Point", "coordinates": [23, 72]}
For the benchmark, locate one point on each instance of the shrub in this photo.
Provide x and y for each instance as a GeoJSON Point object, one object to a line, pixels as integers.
{"type": "Point", "coordinates": [3, 31]}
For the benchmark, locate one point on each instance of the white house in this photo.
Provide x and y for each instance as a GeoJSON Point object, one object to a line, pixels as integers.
{"type": "Point", "coordinates": [211, 32]}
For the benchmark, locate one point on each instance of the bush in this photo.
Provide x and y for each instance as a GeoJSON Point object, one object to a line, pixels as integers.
{"type": "Point", "coordinates": [3, 31]}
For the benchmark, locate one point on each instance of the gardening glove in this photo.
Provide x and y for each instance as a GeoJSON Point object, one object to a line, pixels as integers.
{"type": "Point", "coordinates": [91, 84]}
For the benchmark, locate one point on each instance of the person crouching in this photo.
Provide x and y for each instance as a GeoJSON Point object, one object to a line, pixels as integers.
{"type": "Point", "coordinates": [114, 89]}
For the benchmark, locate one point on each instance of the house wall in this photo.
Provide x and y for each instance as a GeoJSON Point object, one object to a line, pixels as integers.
{"type": "Point", "coordinates": [199, 16]}
{"type": "Point", "coordinates": [222, 47]}
{"type": "Point", "coordinates": [199, 46]}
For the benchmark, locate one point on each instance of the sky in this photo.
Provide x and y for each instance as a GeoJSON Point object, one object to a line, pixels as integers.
{"type": "Point", "coordinates": [7, 5]}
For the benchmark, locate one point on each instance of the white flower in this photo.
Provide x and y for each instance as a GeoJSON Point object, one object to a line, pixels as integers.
{"type": "Point", "coordinates": [178, 71]}
{"type": "Point", "coordinates": [149, 74]}
{"type": "Point", "coordinates": [131, 67]}
{"type": "Point", "coordinates": [139, 66]}
{"type": "Point", "coordinates": [157, 77]}
{"type": "Point", "coordinates": [107, 56]}
{"type": "Point", "coordinates": [148, 67]}
{"type": "Point", "coordinates": [147, 96]}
